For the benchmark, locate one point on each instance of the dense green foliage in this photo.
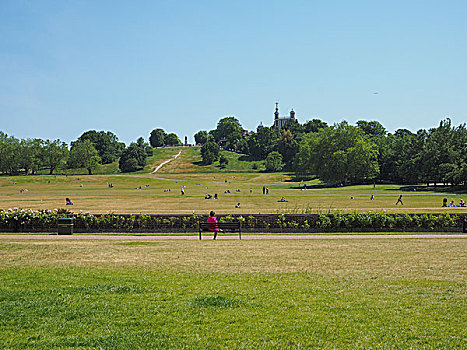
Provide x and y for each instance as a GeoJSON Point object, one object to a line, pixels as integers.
{"type": "Point", "coordinates": [172, 140]}
{"type": "Point", "coordinates": [201, 137]}
{"type": "Point", "coordinates": [133, 158]}
{"type": "Point", "coordinates": [210, 152]}
{"type": "Point", "coordinates": [273, 162]}
{"type": "Point", "coordinates": [46, 220]}
{"type": "Point", "coordinates": [84, 155]}
{"type": "Point", "coordinates": [106, 144]}
{"type": "Point", "coordinates": [347, 154]}
{"type": "Point", "coordinates": [342, 154]}
{"type": "Point", "coordinates": [157, 138]}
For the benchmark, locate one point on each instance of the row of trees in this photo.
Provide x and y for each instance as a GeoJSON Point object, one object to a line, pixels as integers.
{"type": "Point", "coordinates": [344, 153]}
{"type": "Point", "coordinates": [90, 150]}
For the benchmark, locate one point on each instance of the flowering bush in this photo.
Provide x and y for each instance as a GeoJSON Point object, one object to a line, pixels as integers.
{"type": "Point", "coordinates": [28, 220]}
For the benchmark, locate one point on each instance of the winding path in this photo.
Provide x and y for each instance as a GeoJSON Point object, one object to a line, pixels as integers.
{"type": "Point", "coordinates": [165, 162]}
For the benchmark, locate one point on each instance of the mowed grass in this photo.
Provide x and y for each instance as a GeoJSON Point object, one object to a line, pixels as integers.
{"type": "Point", "coordinates": [264, 294]}
{"type": "Point", "coordinates": [47, 192]}
{"type": "Point", "coordinates": [144, 192]}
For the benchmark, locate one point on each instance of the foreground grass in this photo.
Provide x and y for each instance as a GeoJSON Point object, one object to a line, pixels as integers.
{"type": "Point", "coordinates": [233, 294]}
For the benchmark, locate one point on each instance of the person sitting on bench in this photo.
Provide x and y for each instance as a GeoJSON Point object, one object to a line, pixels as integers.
{"type": "Point", "coordinates": [212, 219]}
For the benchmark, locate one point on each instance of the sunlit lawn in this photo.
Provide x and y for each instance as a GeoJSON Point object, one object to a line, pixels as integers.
{"type": "Point", "coordinates": [233, 294]}
{"type": "Point", "coordinates": [125, 197]}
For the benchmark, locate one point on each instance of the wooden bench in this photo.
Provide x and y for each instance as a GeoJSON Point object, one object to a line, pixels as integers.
{"type": "Point", "coordinates": [224, 226]}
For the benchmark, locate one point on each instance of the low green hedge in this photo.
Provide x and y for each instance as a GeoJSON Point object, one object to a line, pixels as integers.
{"type": "Point", "coordinates": [28, 220]}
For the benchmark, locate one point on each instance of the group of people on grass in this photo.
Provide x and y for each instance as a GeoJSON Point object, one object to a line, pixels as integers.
{"type": "Point", "coordinates": [451, 204]}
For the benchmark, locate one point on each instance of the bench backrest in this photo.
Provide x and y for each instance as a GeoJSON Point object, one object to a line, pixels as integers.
{"type": "Point", "coordinates": [227, 225]}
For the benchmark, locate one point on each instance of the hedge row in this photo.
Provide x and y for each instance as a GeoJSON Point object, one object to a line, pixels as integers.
{"type": "Point", "coordinates": [27, 220]}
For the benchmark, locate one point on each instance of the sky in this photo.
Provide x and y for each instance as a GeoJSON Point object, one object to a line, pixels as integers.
{"type": "Point", "coordinates": [132, 66]}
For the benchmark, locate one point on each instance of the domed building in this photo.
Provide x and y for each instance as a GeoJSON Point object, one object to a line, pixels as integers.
{"type": "Point", "coordinates": [280, 122]}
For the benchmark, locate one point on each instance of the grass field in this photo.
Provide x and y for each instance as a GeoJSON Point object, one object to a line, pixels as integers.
{"type": "Point", "coordinates": [91, 193]}
{"type": "Point", "coordinates": [264, 294]}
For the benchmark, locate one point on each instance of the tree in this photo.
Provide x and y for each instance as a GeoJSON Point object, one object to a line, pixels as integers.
{"type": "Point", "coordinates": [83, 154]}
{"type": "Point", "coordinates": [294, 127]}
{"type": "Point", "coordinates": [340, 154]}
{"type": "Point", "coordinates": [263, 142]}
{"type": "Point", "coordinates": [145, 146]}
{"type": "Point", "coordinates": [133, 158]}
{"type": "Point", "coordinates": [201, 137]}
{"type": "Point", "coordinates": [157, 138]}
{"type": "Point", "coordinates": [210, 152]}
{"type": "Point", "coordinates": [287, 146]}
{"type": "Point", "coordinates": [274, 162]}
{"type": "Point", "coordinates": [31, 150]}
{"type": "Point", "coordinates": [372, 128]}
{"type": "Point", "coordinates": [172, 140]}
{"type": "Point", "coordinates": [223, 161]}
{"type": "Point", "coordinates": [54, 154]}
{"type": "Point", "coordinates": [230, 130]}
{"type": "Point", "coordinates": [106, 144]}
{"type": "Point", "coordinates": [10, 151]}
{"type": "Point", "coordinates": [315, 125]}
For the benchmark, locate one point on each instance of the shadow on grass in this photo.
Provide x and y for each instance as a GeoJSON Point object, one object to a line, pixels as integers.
{"type": "Point", "coordinates": [435, 189]}
{"type": "Point", "coordinates": [214, 301]}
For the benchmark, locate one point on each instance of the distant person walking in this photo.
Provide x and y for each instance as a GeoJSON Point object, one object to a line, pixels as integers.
{"type": "Point", "coordinates": [267, 190]}
{"type": "Point", "coordinates": [399, 200]}
{"type": "Point", "coordinates": [264, 189]}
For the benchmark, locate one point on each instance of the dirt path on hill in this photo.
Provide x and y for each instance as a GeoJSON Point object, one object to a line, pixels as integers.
{"type": "Point", "coordinates": [228, 237]}
{"type": "Point", "coordinates": [166, 161]}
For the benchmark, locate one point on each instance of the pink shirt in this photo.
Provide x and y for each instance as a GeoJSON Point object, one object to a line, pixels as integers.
{"type": "Point", "coordinates": [213, 219]}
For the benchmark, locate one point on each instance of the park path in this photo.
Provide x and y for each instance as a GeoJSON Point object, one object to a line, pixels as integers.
{"type": "Point", "coordinates": [228, 237]}
{"type": "Point", "coordinates": [166, 161]}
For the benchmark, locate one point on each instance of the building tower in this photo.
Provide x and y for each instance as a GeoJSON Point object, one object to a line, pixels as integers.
{"type": "Point", "coordinates": [276, 115]}
{"type": "Point", "coordinates": [292, 114]}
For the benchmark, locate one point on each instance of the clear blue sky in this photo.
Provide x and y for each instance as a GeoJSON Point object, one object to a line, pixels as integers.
{"type": "Point", "coordinates": [132, 66]}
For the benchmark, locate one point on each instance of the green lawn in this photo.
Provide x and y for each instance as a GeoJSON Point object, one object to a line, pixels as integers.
{"type": "Point", "coordinates": [268, 294]}
{"type": "Point", "coordinates": [144, 192]}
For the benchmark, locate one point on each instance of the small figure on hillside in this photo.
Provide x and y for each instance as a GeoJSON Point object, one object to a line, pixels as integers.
{"type": "Point", "coordinates": [81, 185]}
{"type": "Point", "coordinates": [68, 201]}
{"type": "Point", "coordinates": [212, 219]}
{"type": "Point", "coordinates": [445, 202]}
{"type": "Point", "coordinates": [251, 190]}
{"type": "Point", "coordinates": [372, 198]}
{"type": "Point", "coordinates": [264, 189]}
{"type": "Point", "coordinates": [182, 191]}
{"type": "Point", "coordinates": [451, 204]}
{"type": "Point", "coordinates": [267, 190]}
{"type": "Point", "coordinates": [237, 205]}
{"type": "Point", "coordinates": [215, 195]}
{"type": "Point", "coordinates": [352, 197]}
{"type": "Point", "coordinates": [399, 200]}
{"type": "Point", "coordinates": [282, 200]}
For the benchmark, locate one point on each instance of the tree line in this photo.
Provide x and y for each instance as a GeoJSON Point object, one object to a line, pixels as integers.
{"type": "Point", "coordinates": [347, 154]}
{"type": "Point", "coordinates": [91, 149]}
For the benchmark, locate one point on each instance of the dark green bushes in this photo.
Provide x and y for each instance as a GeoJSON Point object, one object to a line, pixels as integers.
{"type": "Point", "coordinates": [27, 220]}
